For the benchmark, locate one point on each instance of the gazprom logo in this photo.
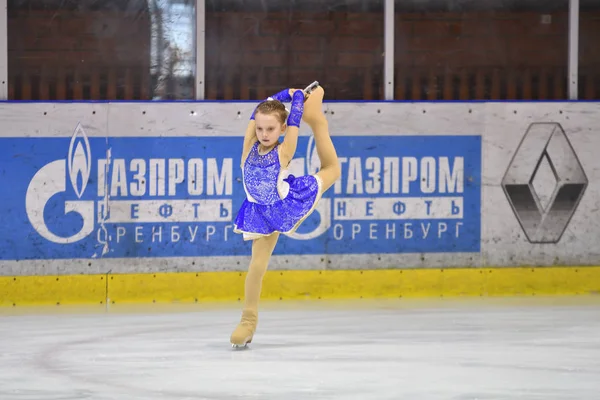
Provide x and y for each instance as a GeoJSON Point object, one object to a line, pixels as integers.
{"type": "Point", "coordinates": [51, 180]}
{"type": "Point", "coordinates": [79, 160]}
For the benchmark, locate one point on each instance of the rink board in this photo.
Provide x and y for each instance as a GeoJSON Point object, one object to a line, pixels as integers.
{"type": "Point", "coordinates": [186, 287]}
{"type": "Point", "coordinates": [104, 196]}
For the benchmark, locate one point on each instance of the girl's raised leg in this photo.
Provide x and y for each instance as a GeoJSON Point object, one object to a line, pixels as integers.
{"type": "Point", "coordinates": [313, 115]}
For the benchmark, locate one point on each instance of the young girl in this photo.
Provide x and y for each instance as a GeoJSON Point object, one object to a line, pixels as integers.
{"type": "Point", "coordinates": [275, 201]}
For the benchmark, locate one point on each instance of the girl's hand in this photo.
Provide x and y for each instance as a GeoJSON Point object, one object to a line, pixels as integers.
{"type": "Point", "coordinates": [285, 96]}
{"type": "Point", "coordinates": [297, 108]}
{"type": "Point", "coordinates": [292, 91]}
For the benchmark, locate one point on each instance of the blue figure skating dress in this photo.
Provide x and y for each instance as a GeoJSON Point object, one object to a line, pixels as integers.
{"type": "Point", "coordinates": [275, 201]}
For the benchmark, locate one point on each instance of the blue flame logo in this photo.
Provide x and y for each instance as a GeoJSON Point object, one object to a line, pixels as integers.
{"type": "Point", "coordinates": [79, 160]}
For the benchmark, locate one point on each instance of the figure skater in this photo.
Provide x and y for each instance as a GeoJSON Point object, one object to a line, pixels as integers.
{"type": "Point", "coordinates": [275, 201]}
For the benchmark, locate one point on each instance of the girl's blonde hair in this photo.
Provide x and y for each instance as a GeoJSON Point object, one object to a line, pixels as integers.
{"type": "Point", "coordinates": [269, 107]}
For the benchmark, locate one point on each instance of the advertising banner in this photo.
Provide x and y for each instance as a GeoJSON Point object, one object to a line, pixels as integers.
{"type": "Point", "coordinates": [177, 196]}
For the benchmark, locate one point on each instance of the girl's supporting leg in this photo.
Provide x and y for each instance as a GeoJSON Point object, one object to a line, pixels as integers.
{"type": "Point", "coordinates": [313, 115]}
{"type": "Point", "coordinates": [262, 249]}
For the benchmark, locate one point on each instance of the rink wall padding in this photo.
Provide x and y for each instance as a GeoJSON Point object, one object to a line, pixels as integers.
{"type": "Point", "coordinates": [136, 202]}
{"type": "Point", "coordinates": [187, 287]}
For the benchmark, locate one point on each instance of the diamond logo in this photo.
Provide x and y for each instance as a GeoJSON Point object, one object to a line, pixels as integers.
{"type": "Point", "coordinates": [544, 182]}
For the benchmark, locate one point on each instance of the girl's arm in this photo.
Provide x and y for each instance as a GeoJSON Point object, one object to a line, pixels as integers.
{"type": "Point", "coordinates": [287, 149]}
{"type": "Point", "coordinates": [249, 138]}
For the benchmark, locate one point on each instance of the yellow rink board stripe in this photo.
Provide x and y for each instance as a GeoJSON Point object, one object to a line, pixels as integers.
{"type": "Point", "coordinates": [294, 285]}
{"type": "Point", "coordinates": [52, 289]}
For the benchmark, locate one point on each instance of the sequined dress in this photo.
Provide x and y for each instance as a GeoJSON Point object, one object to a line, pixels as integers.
{"type": "Point", "coordinates": [275, 201]}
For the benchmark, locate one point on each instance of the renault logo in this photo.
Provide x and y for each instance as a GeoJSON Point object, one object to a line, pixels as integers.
{"type": "Point", "coordinates": [544, 150]}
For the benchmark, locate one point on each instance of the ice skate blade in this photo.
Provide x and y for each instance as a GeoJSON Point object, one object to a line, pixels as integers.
{"type": "Point", "coordinates": [242, 346]}
{"type": "Point", "coordinates": [308, 90]}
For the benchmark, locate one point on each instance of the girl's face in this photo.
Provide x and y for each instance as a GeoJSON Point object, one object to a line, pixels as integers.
{"type": "Point", "coordinates": [268, 129]}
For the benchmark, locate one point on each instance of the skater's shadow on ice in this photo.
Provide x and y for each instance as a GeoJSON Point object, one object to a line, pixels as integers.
{"type": "Point", "coordinates": [307, 345]}
{"type": "Point", "coordinates": [271, 346]}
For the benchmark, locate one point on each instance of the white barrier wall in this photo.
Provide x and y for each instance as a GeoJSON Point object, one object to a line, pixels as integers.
{"type": "Point", "coordinates": [145, 187]}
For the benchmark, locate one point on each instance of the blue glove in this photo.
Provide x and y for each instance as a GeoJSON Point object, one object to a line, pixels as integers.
{"type": "Point", "coordinates": [283, 96]}
{"type": "Point", "coordinates": [297, 109]}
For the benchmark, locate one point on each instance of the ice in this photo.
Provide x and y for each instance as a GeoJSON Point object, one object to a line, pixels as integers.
{"type": "Point", "coordinates": [542, 348]}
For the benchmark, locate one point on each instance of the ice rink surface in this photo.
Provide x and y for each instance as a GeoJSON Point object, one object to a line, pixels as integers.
{"type": "Point", "coordinates": [536, 348]}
